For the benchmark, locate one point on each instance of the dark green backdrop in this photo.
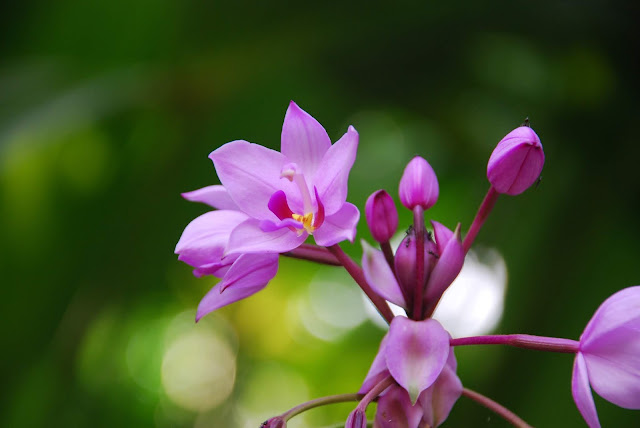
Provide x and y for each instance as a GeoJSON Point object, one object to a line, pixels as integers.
{"type": "Point", "coordinates": [108, 110]}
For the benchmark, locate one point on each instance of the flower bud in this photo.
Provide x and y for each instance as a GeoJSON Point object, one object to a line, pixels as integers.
{"type": "Point", "coordinates": [405, 262]}
{"type": "Point", "coordinates": [276, 422]}
{"type": "Point", "coordinates": [516, 162]}
{"type": "Point", "coordinates": [418, 185]}
{"type": "Point", "coordinates": [381, 215]}
{"type": "Point", "coordinates": [357, 419]}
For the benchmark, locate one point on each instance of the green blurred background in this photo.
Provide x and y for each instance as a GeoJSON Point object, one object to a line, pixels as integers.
{"type": "Point", "coordinates": [108, 111]}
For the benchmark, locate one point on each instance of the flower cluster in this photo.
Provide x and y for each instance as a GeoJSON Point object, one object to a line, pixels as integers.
{"type": "Point", "coordinates": [270, 203]}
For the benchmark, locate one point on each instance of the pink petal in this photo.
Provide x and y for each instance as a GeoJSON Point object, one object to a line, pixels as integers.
{"type": "Point", "coordinates": [279, 206]}
{"type": "Point", "coordinates": [396, 411]}
{"type": "Point", "coordinates": [378, 370]}
{"type": "Point", "coordinates": [416, 353]}
{"type": "Point", "coordinates": [333, 173]}
{"type": "Point", "coordinates": [251, 174]}
{"type": "Point", "coordinates": [204, 239]}
{"type": "Point", "coordinates": [304, 140]}
{"type": "Point", "coordinates": [613, 365]}
{"type": "Point", "coordinates": [442, 235]}
{"type": "Point", "coordinates": [215, 196]}
{"type": "Point", "coordinates": [446, 269]}
{"type": "Point", "coordinates": [338, 227]}
{"type": "Point", "coordinates": [249, 237]}
{"type": "Point", "coordinates": [621, 309]}
{"type": "Point", "coordinates": [582, 392]}
{"type": "Point", "coordinates": [438, 400]}
{"type": "Point", "coordinates": [248, 275]}
{"type": "Point", "coordinates": [380, 276]}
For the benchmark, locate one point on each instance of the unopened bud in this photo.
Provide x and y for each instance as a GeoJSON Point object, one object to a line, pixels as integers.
{"type": "Point", "coordinates": [276, 422]}
{"type": "Point", "coordinates": [516, 162]}
{"type": "Point", "coordinates": [381, 215]}
{"type": "Point", "coordinates": [418, 185]}
{"type": "Point", "coordinates": [357, 419]}
{"type": "Point", "coordinates": [405, 262]}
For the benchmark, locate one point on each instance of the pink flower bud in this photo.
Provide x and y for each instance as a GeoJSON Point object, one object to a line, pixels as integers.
{"type": "Point", "coordinates": [276, 422]}
{"type": "Point", "coordinates": [516, 162]}
{"type": "Point", "coordinates": [405, 263]}
{"type": "Point", "coordinates": [381, 215]}
{"type": "Point", "coordinates": [418, 185]}
{"type": "Point", "coordinates": [357, 419]}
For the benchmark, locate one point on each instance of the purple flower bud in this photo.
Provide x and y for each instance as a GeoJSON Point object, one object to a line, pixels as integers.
{"type": "Point", "coordinates": [357, 419]}
{"type": "Point", "coordinates": [381, 215]}
{"type": "Point", "coordinates": [516, 162]}
{"type": "Point", "coordinates": [405, 263]}
{"type": "Point", "coordinates": [418, 185]}
{"type": "Point", "coordinates": [276, 422]}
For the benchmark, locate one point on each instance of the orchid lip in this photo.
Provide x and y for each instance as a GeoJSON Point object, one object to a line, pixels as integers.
{"type": "Point", "coordinates": [312, 218]}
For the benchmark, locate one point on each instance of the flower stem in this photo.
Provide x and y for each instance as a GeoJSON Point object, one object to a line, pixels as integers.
{"type": "Point", "coordinates": [313, 253]}
{"type": "Point", "coordinates": [539, 343]}
{"type": "Point", "coordinates": [418, 227]}
{"type": "Point", "coordinates": [388, 255]}
{"type": "Point", "coordinates": [375, 392]}
{"type": "Point", "coordinates": [356, 273]}
{"type": "Point", "coordinates": [483, 212]}
{"type": "Point", "coordinates": [499, 409]}
{"type": "Point", "coordinates": [322, 401]}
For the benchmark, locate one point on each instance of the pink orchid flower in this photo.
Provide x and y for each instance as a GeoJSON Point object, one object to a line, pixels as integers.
{"type": "Point", "coordinates": [609, 356]}
{"type": "Point", "coordinates": [269, 203]}
{"type": "Point", "coordinates": [292, 194]}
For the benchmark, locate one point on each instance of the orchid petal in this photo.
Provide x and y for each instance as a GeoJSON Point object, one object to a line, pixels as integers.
{"type": "Point", "coordinates": [248, 237]}
{"type": "Point", "coordinates": [279, 206]}
{"type": "Point", "coordinates": [378, 370]}
{"type": "Point", "coordinates": [204, 239]}
{"type": "Point", "coordinates": [442, 235]}
{"type": "Point", "coordinates": [332, 176]}
{"type": "Point", "coordinates": [248, 275]}
{"type": "Point", "coordinates": [447, 268]}
{"type": "Point", "coordinates": [338, 227]}
{"type": "Point", "coordinates": [620, 309]}
{"type": "Point", "coordinates": [380, 276]}
{"type": "Point", "coordinates": [270, 226]}
{"type": "Point", "coordinates": [217, 269]}
{"type": "Point", "coordinates": [416, 353]}
{"type": "Point", "coordinates": [610, 346]}
{"type": "Point", "coordinates": [304, 140]}
{"type": "Point", "coordinates": [582, 392]}
{"type": "Point", "coordinates": [396, 411]}
{"type": "Point", "coordinates": [215, 196]}
{"type": "Point", "coordinates": [438, 400]}
{"type": "Point", "coordinates": [251, 174]}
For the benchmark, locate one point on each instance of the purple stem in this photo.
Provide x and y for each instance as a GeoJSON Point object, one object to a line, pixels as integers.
{"type": "Point", "coordinates": [388, 255]}
{"type": "Point", "coordinates": [418, 227]}
{"type": "Point", "coordinates": [322, 401]}
{"type": "Point", "coordinates": [499, 409]}
{"type": "Point", "coordinates": [313, 253]}
{"type": "Point", "coordinates": [483, 212]}
{"type": "Point", "coordinates": [374, 392]}
{"type": "Point", "coordinates": [356, 273]}
{"type": "Point", "coordinates": [527, 341]}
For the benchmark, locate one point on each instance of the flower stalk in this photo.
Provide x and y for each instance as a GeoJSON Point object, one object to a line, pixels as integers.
{"type": "Point", "coordinates": [356, 273]}
{"type": "Point", "coordinates": [483, 212]}
{"type": "Point", "coordinates": [495, 407]}
{"type": "Point", "coordinates": [527, 341]}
